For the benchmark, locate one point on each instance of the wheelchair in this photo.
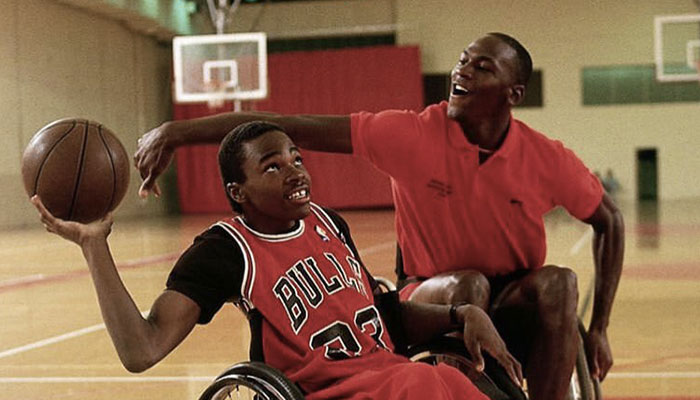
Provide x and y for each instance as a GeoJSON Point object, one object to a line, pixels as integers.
{"type": "Point", "coordinates": [256, 380]}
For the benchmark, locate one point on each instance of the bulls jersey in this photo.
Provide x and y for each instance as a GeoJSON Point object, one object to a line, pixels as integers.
{"type": "Point", "coordinates": [319, 321]}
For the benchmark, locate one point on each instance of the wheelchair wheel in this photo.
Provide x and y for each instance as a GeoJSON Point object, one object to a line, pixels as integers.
{"type": "Point", "coordinates": [583, 386]}
{"type": "Point", "coordinates": [494, 381]}
{"type": "Point", "coordinates": [252, 380]}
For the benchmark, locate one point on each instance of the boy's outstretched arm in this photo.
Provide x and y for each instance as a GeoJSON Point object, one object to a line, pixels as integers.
{"type": "Point", "coordinates": [140, 342]}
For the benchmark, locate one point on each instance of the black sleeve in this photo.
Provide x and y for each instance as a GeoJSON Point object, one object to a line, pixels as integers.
{"type": "Point", "coordinates": [209, 272]}
{"type": "Point", "coordinates": [347, 238]}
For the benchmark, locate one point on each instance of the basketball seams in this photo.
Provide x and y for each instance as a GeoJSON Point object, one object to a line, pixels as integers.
{"type": "Point", "coordinates": [110, 204]}
{"type": "Point", "coordinates": [48, 153]}
{"type": "Point", "coordinates": [79, 175]}
{"type": "Point", "coordinates": [65, 163]}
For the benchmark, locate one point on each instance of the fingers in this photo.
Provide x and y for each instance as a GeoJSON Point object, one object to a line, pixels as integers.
{"type": "Point", "coordinates": [515, 370]}
{"type": "Point", "coordinates": [474, 349]}
{"type": "Point", "coordinates": [149, 185]}
{"type": "Point", "coordinates": [156, 189]}
{"type": "Point", "coordinates": [593, 365]}
{"type": "Point", "coordinates": [46, 216]}
{"type": "Point", "coordinates": [603, 368]}
{"type": "Point", "coordinates": [47, 219]}
{"type": "Point", "coordinates": [595, 370]}
{"type": "Point", "coordinates": [510, 364]}
{"type": "Point", "coordinates": [108, 218]}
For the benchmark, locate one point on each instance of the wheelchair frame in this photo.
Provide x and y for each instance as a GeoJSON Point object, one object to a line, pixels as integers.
{"type": "Point", "coordinates": [268, 383]}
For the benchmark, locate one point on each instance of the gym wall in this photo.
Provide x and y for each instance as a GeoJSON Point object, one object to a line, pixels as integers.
{"type": "Point", "coordinates": [57, 62]}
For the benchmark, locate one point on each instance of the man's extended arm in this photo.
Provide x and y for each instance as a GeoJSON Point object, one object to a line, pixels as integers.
{"type": "Point", "coordinates": [423, 322]}
{"type": "Point", "coordinates": [329, 133]}
{"type": "Point", "coordinates": [608, 253]}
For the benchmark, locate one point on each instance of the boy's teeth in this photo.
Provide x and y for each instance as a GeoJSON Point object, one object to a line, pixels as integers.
{"type": "Point", "coordinates": [298, 195]}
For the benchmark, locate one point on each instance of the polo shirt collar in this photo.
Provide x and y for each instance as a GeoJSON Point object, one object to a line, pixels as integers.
{"type": "Point", "coordinates": [512, 139]}
{"type": "Point", "coordinates": [458, 140]}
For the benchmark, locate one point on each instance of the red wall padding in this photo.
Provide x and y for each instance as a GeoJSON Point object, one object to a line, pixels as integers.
{"type": "Point", "coordinates": [315, 82]}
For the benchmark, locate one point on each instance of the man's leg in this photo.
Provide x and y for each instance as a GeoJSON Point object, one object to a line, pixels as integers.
{"type": "Point", "coordinates": [549, 296]}
{"type": "Point", "coordinates": [454, 287]}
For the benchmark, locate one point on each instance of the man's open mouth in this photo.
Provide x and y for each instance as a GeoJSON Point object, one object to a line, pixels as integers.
{"type": "Point", "coordinates": [459, 90]}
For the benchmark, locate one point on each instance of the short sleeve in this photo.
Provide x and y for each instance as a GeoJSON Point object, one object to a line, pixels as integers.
{"type": "Point", "coordinates": [385, 139]}
{"type": "Point", "coordinates": [578, 190]}
{"type": "Point", "coordinates": [209, 272]}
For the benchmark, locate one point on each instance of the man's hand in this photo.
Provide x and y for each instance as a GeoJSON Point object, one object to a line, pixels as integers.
{"type": "Point", "coordinates": [479, 333]}
{"type": "Point", "coordinates": [598, 353]}
{"type": "Point", "coordinates": [73, 231]}
{"type": "Point", "coordinates": [152, 157]}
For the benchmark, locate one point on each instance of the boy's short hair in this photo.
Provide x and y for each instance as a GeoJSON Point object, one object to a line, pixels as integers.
{"type": "Point", "coordinates": [232, 157]}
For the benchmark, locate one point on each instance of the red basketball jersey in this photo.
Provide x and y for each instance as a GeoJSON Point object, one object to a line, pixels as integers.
{"type": "Point", "coordinates": [319, 320]}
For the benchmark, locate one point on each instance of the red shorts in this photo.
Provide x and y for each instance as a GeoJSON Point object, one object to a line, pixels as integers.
{"type": "Point", "coordinates": [408, 290]}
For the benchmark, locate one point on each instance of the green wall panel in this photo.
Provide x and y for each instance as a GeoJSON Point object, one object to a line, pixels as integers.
{"type": "Point", "coordinates": [633, 84]}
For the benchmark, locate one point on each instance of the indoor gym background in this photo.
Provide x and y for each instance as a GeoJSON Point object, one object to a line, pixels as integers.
{"type": "Point", "coordinates": [110, 61]}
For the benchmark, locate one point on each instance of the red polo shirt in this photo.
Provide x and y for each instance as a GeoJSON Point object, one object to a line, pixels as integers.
{"type": "Point", "coordinates": [453, 213]}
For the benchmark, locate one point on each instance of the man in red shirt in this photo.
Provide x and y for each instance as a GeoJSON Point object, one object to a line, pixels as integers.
{"type": "Point", "coordinates": [470, 186]}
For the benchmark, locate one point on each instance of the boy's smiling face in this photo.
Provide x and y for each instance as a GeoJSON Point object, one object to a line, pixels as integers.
{"type": "Point", "coordinates": [277, 189]}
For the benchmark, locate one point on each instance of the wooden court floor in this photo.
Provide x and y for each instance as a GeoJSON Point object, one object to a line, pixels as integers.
{"type": "Point", "coordinates": [53, 345]}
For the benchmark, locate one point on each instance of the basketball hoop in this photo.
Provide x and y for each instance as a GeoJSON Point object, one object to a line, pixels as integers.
{"type": "Point", "coordinates": [220, 69]}
{"type": "Point", "coordinates": [216, 93]}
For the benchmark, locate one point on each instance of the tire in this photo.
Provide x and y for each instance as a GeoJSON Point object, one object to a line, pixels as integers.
{"type": "Point", "coordinates": [588, 388]}
{"type": "Point", "coordinates": [494, 381]}
{"type": "Point", "coordinates": [258, 379]}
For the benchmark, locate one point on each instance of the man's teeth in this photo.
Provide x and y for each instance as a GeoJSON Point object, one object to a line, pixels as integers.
{"type": "Point", "coordinates": [298, 195]}
{"type": "Point", "coordinates": [459, 89]}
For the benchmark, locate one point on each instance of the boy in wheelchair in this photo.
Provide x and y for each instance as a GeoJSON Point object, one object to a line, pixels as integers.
{"type": "Point", "coordinates": [292, 263]}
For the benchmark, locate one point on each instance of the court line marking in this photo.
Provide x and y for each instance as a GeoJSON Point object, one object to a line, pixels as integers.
{"type": "Point", "coordinates": [103, 379]}
{"type": "Point", "coordinates": [131, 379]}
{"type": "Point", "coordinates": [21, 280]}
{"type": "Point", "coordinates": [584, 239]}
{"type": "Point", "coordinates": [56, 339]}
{"type": "Point", "coordinates": [38, 279]}
{"type": "Point", "coordinates": [125, 265]}
{"type": "Point", "coordinates": [654, 375]}
{"type": "Point", "coordinates": [51, 340]}
{"type": "Point", "coordinates": [377, 248]}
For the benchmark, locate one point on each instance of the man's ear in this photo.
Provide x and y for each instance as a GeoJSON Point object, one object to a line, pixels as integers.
{"type": "Point", "coordinates": [235, 191]}
{"type": "Point", "coordinates": [516, 95]}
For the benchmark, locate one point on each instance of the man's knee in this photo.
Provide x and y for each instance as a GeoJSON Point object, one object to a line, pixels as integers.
{"type": "Point", "coordinates": [455, 287]}
{"type": "Point", "coordinates": [557, 291]}
{"type": "Point", "coordinates": [470, 287]}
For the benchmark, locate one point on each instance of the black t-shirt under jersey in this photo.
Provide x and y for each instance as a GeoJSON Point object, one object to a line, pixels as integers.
{"type": "Point", "coordinates": [210, 271]}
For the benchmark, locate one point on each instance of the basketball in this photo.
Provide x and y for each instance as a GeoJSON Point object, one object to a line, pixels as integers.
{"type": "Point", "coordinates": [79, 169]}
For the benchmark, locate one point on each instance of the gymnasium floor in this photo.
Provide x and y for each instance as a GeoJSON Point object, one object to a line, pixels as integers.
{"type": "Point", "coordinates": [52, 343]}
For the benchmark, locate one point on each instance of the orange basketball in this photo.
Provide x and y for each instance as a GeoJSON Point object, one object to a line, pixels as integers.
{"type": "Point", "coordinates": [78, 168]}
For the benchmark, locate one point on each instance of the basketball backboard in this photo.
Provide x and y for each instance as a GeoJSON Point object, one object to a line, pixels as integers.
{"type": "Point", "coordinates": [211, 68]}
{"type": "Point", "coordinates": [677, 47]}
